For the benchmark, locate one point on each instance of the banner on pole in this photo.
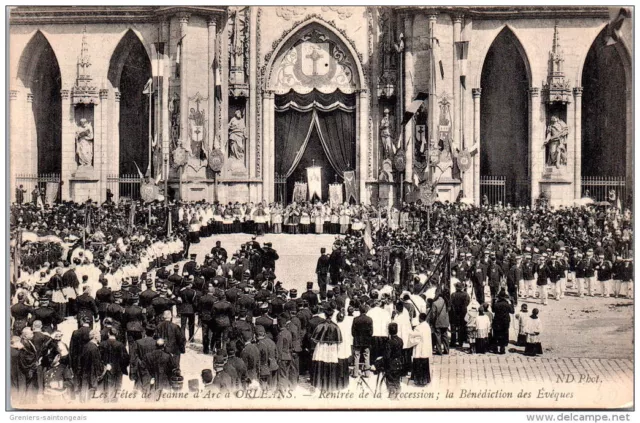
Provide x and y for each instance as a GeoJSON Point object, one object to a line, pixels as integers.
{"type": "Point", "coordinates": [51, 192]}
{"type": "Point", "coordinates": [300, 192]}
{"type": "Point", "coordinates": [335, 194]}
{"type": "Point", "coordinates": [314, 181]}
{"type": "Point", "coordinates": [350, 186]}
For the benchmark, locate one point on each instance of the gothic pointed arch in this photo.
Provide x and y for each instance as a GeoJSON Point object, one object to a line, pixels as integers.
{"type": "Point", "coordinates": [504, 117]}
{"type": "Point", "coordinates": [129, 71]}
{"type": "Point", "coordinates": [333, 62]}
{"type": "Point", "coordinates": [39, 75]}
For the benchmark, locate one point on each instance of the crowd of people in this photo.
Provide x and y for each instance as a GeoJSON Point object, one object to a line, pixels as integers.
{"type": "Point", "coordinates": [399, 286]}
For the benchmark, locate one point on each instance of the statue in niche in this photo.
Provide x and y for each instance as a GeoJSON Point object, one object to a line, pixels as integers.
{"type": "Point", "coordinates": [556, 142]}
{"type": "Point", "coordinates": [84, 143]}
{"type": "Point", "coordinates": [386, 135]}
{"type": "Point", "coordinates": [237, 136]}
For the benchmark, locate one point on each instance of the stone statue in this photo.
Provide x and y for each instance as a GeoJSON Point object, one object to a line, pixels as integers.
{"type": "Point", "coordinates": [556, 142]}
{"type": "Point", "coordinates": [237, 136]}
{"type": "Point", "coordinates": [84, 143]}
{"type": "Point", "coordinates": [386, 135]}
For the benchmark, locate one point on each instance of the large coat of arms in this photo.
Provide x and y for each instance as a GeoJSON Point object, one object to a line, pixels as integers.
{"type": "Point", "coordinates": [314, 62]}
{"type": "Point", "coordinates": [197, 126]}
{"type": "Point", "coordinates": [444, 131]}
{"type": "Point", "coordinates": [216, 160]}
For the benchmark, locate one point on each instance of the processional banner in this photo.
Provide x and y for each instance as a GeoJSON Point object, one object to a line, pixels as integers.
{"type": "Point", "coordinates": [335, 194]}
{"type": "Point", "coordinates": [51, 192]}
{"type": "Point", "coordinates": [350, 185]}
{"type": "Point", "coordinates": [314, 181]}
{"type": "Point", "coordinates": [300, 192]}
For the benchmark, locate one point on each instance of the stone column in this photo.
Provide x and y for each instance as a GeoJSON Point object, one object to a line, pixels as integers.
{"type": "Point", "coordinates": [577, 142]}
{"type": "Point", "coordinates": [183, 19]}
{"type": "Point", "coordinates": [268, 140]}
{"type": "Point", "coordinates": [408, 94]}
{"type": "Point", "coordinates": [100, 158]}
{"type": "Point", "coordinates": [476, 92]}
{"type": "Point", "coordinates": [31, 137]}
{"type": "Point", "coordinates": [536, 138]}
{"type": "Point", "coordinates": [457, 30]}
{"type": "Point", "coordinates": [166, 72]}
{"type": "Point", "coordinates": [69, 164]}
{"type": "Point", "coordinates": [363, 135]}
{"type": "Point", "coordinates": [212, 25]}
{"type": "Point", "coordinates": [15, 137]}
{"type": "Point", "coordinates": [433, 123]}
{"type": "Point", "coordinates": [115, 139]}
{"type": "Point", "coordinates": [253, 99]}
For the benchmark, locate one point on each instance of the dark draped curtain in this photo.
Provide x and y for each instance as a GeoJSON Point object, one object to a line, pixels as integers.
{"type": "Point", "coordinates": [333, 116]}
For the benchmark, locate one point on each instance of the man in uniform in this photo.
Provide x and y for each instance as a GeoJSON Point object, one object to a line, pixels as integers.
{"type": "Point", "coordinates": [269, 257]}
{"type": "Point", "coordinates": [156, 367]}
{"type": "Point", "coordinates": [134, 320]}
{"type": "Point", "coordinates": [187, 304]}
{"type": "Point", "coordinates": [322, 270]}
{"type": "Point", "coordinates": [86, 306]}
{"type": "Point", "coordinates": [267, 322]}
{"type": "Point", "coordinates": [104, 297]}
{"type": "Point", "coordinates": [190, 266]}
{"type": "Point", "coordinates": [284, 352]}
{"type": "Point", "coordinates": [268, 359]}
{"type": "Point", "coordinates": [310, 297]}
{"type": "Point", "coordinates": [137, 351]}
{"type": "Point", "coordinates": [223, 316]}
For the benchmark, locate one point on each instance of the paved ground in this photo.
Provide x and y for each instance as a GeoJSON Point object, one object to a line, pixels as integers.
{"type": "Point", "coordinates": [587, 361]}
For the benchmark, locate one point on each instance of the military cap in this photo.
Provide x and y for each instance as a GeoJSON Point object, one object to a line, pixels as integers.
{"type": "Point", "coordinates": [309, 285]}
{"type": "Point", "coordinates": [193, 256]}
{"type": "Point", "coordinates": [117, 294]}
{"type": "Point", "coordinates": [260, 331]}
{"type": "Point", "coordinates": [264, 306]}
{"type": "Point", "coordinates": [219, 360]}
{"type": "Point", "coordinates": [293, 293]}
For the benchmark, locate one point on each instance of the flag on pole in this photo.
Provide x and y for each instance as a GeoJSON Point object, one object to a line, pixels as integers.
{"type": "Point", "coordinates": [17, 256]}
{"type": "Point", "coordinates": [218, 80]}
{"type": "Point", "coordinates": [168, 223]}
{"type": "Point", "coordinates": [462, 53]}
{"type": "Point", "coordinates": [350, 185]}
{"type": "Point", "coordinates": [617, 15]}
{"type": "Point", "coordinates": [437, 57]}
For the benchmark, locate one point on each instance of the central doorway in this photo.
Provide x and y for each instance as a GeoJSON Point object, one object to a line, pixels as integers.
{"type": "Point", "coordinates": [313, 129]}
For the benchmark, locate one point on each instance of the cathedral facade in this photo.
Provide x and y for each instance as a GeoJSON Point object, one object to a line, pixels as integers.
{"type": "Point", "coordinates": [498, 104]}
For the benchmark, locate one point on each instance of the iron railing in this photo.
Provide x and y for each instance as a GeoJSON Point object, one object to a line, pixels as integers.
{"type": "Point", "coordinates": [124, 186]}
{"type": "Point", "coordinates": [29, 182]}
{"type": "Point", "coordinates": [281, 189]}
{"type": "Point", "coordinates": [493, 190]}
{"type": "Point", "coordinates": [603, 188]}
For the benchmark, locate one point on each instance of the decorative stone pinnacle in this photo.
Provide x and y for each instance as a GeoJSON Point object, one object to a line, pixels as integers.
{"type": "Point", "coordinates": [84, 60]}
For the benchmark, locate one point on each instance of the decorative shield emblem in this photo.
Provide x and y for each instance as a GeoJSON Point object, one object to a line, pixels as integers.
{"type": "Point", "coordinates": [180, 156]}
{"type": "Point", "coordinates": [464, 160]}
{"type": "Point", "coordinates": [149, 192]}
{"type": "Point", "coordinates": [314, 59]}
{"type": "Point", "coordinates": [434, 156]}
{"type": "Point", "coordinates": [400, 161]}
{"type": "Point", "coordinates": [196, 132]}
{"type": "Point", "coordinates": [216, 160]}
{"type": "Point", "coordinates": [426, 194]}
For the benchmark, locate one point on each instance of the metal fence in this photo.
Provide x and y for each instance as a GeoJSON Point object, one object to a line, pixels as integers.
{"type": "Point", "coordinates": [602, 188]}
{"type": "Point", "coordinates": [29, 182]}
{"type": "Point", "coordinates": [124, 186]}
{"type": "Point", "coordinates": [281, 189]}
{"type": "Point", "coordinates": [493, 189]}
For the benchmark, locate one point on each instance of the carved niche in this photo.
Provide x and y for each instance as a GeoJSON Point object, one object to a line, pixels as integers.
{"type": "Point", "coordinates": [239, 52]}
{"type": "Point", "coordinates": [388, 50]}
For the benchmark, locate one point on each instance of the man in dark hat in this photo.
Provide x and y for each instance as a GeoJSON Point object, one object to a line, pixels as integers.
{"type": "Point", "coordinates": [47, 315]}
{"type": "Point", "coordinates": [284, 350]}
{"type": "Point", "coordinates": [269, 257]}
{"type": "Point", "coordinates": [322, 270]}
{"type": "Point", "coordinates": [146, 297]}
{"type": "Point", "coordinates": [162, 303]}
{"type": "Point", "coordinates": [219, 253]}
{"type": "Point", "coordinates": [266, 321]}
{"type": "Point", "coordinates": [362, 332]}
{"type": "Point", "coordinates": [104, 297]}
{"type": "Point", "coordinates": [187, 305]}
{"type": "Point", "coordinates": [134, 320]}
{"type": "Point", "coordinates": [173, 336]}
{"type": "Point", "coordinates": [190, 266]}
{"type": "Point", "coordinates": [393, 361]}
{"type": "Point", "coordinates": [223, 315]}
{"type": "Point", "coordinates": [310, 297]}
{"type": "Point", "coordinates": [20, 313]}
{"type": "Point", "coordinates": [86, 306]}
{"type": "Point", "coordinates": [502, 310]}
{"type": "Point", "coordinates": [205, 317]}
{"type": "Point", "coordinates": [250, 355]}
{"type": "Point", "coordinates": [459, 302]}
{"type": "Point", "coordinates": [113, 353]}
{"type": "Point", "coordinates": [175, 279]}
{"type": "Point", "coordinates": [268, 359]}
{"type": "Point", "coordinates": [239, 367]}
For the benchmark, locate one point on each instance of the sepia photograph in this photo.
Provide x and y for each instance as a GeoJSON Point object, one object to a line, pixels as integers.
{"type": "Point", "coordinates": [365, 207]}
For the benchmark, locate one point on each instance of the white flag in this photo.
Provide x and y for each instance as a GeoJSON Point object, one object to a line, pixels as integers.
{"type": "Point", "coordinates": [314, 181]}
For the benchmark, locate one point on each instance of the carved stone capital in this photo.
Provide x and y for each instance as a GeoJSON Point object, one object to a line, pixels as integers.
{"type": "Point", "coordinates": [476, 92]}
{"type": "Point", "coordinates": [457, 17]}
{"type": "Point", "coordinates": [183, 18]}
{"type": "Point", "coordinates": [104, 94]}
{"type": "Point", "coordinates": [117, 95]}
{"type": "Point", "coordinates": [534, 91]}
{"type": "Point", "coordinates": [212, 21]}
{"type": "Point", "coordinates": [433, 17]}
{"type": "Point", "coordinates": [13, 94]}
{"type": "Point", "coordinates": [65, 94]}
{"type": "Point", "coordinates": [577, 91]}
{"type": "Point", "coordinates": [30, 97]}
